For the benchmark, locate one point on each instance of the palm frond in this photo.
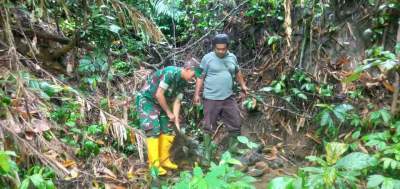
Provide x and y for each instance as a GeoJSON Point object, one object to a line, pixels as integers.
{"type": "Point", "coordinates": [126, 14]}
{"type": "Point", "coordinates": [140, 23]}
{"type": "Point", "coordinates": [167, 7]}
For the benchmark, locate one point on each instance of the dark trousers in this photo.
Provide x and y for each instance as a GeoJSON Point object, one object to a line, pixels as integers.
{"type": "Point", "coordinates": [225, 110]}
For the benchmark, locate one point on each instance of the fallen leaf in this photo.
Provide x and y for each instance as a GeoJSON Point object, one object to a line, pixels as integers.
{"type": "Point", "coordinates": [274, 152]}
{"type": "Point", "coordinates": [372, 84]}
{"type": "Point", "coordinates": [132, 136]}
{"type": "Point", "coordinates": [21, 110]}
{"type": "Point", "coordinates": [40, 125]}
{"type": "Point", "coordinates": [388, 86]}
{"type": "Point", "coordinates": [130, 175]}
{"type": "Point", "coordinates": [99, 141]}
{"type": "Point", "coordinates": [113, 186]}
{"type": "Point", "coordinates": [300, 123]}
{"type": "Point", "coordinates": [103, 119]}
{"type": "Point", "coordinates": [342, 60]}
{"type": "Point", "coordinates": [108, 172]}
{"type": "Point", "coordinates": [69, 163]}
{"type": "Point", "coordinates": [313, 138]}
{"type": "Point", "coordinates": [73, 174]}
{"type": "Point", "coordinates": [29, 135]}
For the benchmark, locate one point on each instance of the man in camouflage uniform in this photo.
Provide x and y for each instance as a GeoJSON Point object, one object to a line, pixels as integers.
{"type": "Point", "coordinates": [162, 89]}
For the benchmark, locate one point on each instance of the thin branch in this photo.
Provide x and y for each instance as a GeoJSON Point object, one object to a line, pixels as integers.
{"type": "Point", "coordinates": [204, 36]}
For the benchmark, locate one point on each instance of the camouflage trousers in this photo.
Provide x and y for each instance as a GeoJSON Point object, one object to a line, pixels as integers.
{"type": "Point", "coordinates": [152, 118]}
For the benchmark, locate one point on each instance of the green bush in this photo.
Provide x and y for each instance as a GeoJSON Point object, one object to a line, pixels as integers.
{"type": "Point", "coordinates": [222, 175]}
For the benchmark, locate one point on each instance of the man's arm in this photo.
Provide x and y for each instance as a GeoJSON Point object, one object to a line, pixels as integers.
{"type": "Point", "coordinates": [176, 109]}
{"type": "Point", "coordinates": [199, 86]}
{"type": "Point", "coordinates": [240, 79]}
{"type": "Point", "coordinates": [163, 103]}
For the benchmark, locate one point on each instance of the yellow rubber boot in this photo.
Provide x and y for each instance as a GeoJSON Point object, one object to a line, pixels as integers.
{"type": "Point", "coordinates": [153, 154]}
{"type": "Point", "coordinates": [165, 146]}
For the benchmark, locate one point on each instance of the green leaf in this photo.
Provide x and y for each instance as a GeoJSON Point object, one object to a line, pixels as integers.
{"type": "Point", "coordinates": [374, 117]}
{"type": "Point", "coordinates": [387, 183]}
{"type": "Point", "coordinates": [354, 76]}
{"type": "Point", "coordinates": [278, 88]}
{"type": "Point", "coordinates": [314, 170]}
{"type": "Point", "coordinates": [90, 145]}
{"type": "Point", "coordinates": [281, 183]}
{"type": "Point", "coordinates": [356, 161]}
{"type": "Point", "coordinates": [197, 172]}
{"type": "Point", "coordinates": [388, 65]}
{"type": "Point", "coordinates": [324, 106]}
{"type": "Point", "coordinates": [76, 130]}
{"type": "Point", "coordinates": [85, 64]}
{"type": "Point", "coordinates": [114, 28]}
{"type": "Point", "coordinates": [5, 162]}
{"type": "Point", "coordinates": [5, 100]}
{"type": "Point", "coordinates": [310, 87]}
{"type": "Point", "coordinates": [302, 95]}
{"type": "Point", "coordinates": [10, 153]}
{"type": "Point", "coordinates": [38, 181]}
{"type": "Point", "coordinates": [390, 163]}
{"type": "Point", "coordinates": [266, 89]}
{"type": "Point", "coordinates": [329, 176]}
{"type": "Point", "coordinates": [243, 139]}
{"type": "Point", "coordinates": [25, 184]}
{"type": "Point", "coordinates": [340, 111]}
{"type": "Point", "coordinates": [154, 172]}
{"type": "Point", "coordinates": [273, 39]}
{"type": "Point", "coordinates": [70, 123]}
{"type": "Point", "coordinates": [95, 129]}
{"type": "Point", "coordinates": [326, 119]}
{"type": "Point", "coordinates": [334, 150]}
{"type": "Point", "coordinates": [227, 158]}
{"type": "Point", "coordinates": [316, 159]}
{"type": "Point", "coordinates": [385, 115]}
{"type": "Point", "coordinates": [234, 161]}
{"type": "Point", "coordinates": [50, 184]}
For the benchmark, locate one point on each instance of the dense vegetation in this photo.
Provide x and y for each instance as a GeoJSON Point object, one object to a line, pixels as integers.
{"type": "Point", "coordinates": [324, 76]}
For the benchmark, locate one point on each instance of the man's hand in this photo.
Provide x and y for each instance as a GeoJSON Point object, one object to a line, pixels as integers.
{"type": "Point", "coordinates": [240, 79]}
{"type": "Point", "coordinates": [196, 99]}
{"type": "Point", "coordinates": [199, 86]}
{"type": "Point", "coordinates": [178, 123]}
{"type": "Point", "coordinates": [171, 117]}
{"type": "Point", "coordinates": [245, 90]}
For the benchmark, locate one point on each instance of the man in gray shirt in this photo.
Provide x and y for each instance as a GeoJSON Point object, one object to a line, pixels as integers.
{"type": "Point", "coordinates": [219, 68]}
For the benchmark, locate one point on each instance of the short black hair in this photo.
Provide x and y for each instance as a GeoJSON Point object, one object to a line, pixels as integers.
{"type": "Point", "coordinates": [221, 38]}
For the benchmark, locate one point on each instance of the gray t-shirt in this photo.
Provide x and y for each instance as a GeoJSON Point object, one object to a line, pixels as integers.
{"type": "Point", "coordinates": [218, 74]}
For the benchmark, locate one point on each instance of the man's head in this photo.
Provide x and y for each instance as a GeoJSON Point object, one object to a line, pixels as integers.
{"type": "Point", "coordinates": [221, 44]}
{"type": "Point", "coordinates": [190, 69]}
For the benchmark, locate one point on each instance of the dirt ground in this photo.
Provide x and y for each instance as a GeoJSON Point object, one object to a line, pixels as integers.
{"type": "Point", "coordinates": [284, 148]}
{"type": "Point", "coordinates": [262, 182]}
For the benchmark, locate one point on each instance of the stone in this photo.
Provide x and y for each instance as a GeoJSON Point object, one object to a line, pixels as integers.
{"type": "Point", "coordinates": [261, 165]}
{"type": "Point", "coordinates": [254, 172]}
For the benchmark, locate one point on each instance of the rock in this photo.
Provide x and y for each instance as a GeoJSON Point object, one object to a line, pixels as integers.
{"type": "Point", "coordinates": [251, 158]}
{"type": "Point", "coordinates": [261, 165]}
{"type": "Point", "coordinates": [255, 157]}
{"type": "Point", "coordinates": [276, 163]}
{"type": "Point", "coordinates": [242, 168]}
{"type": "Point", "coordinates": [244, 160]}
{"type": "Point", "coordinates": [254, 172]}
{"type": "Point", "coordinates": [267, 170]}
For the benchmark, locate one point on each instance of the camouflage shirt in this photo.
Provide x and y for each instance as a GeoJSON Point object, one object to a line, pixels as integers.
{"type": "Point", "coordinates": [169, 79]}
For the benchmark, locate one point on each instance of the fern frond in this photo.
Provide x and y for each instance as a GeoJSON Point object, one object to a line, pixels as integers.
{"type": "Point", "coordinates": [167, 7]}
